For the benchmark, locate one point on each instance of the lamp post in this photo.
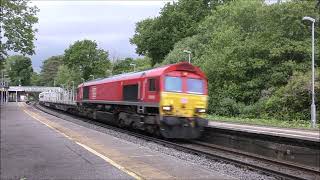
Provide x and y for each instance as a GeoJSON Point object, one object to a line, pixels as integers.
{"type": "Point", "coordinates": [111, 69]}
{"type": "Point", "coordinates": [313, 106]}
{"type": "Point", "coordinates": [92, 76]}
{"type": "Point", "coordinates": [109, 72]}
{"type": "Point", "coordinates": [72, 91]}
{"type": "Point", "coordinates": [134, 66]}
{"type": "Point", "coordinates": [189, 54]}
{"type": "Point", "coordinates": [2, 88]}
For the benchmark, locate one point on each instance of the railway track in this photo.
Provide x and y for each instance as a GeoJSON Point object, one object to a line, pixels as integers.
{"type": "Point", "coordinates": [276, 168]}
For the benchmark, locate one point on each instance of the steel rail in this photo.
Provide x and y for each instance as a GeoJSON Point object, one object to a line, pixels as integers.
{"type": "Point", "coordinates": [209, 151]}
{"type": "Point", "coordinates": [259, 157]}
{"type": "Point", "coordinates": [293, 167]}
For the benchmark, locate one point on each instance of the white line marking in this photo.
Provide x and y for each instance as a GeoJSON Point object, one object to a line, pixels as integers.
{"type": "Point", "coordinates": [269, 130]}
{"type": "Point", "coordinates": [275, 133]}
{"type": "Point", "coordinates": [134, 175]}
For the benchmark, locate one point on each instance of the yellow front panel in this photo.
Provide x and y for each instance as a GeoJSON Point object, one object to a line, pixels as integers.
{"type": "Point", "coordinates": [183, 104]}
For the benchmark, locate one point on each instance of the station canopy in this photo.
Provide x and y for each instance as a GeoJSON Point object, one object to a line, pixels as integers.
{"type": "Point", "coordinates": [33, 88]}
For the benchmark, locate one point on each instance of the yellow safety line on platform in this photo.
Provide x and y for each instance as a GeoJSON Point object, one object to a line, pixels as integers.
{"type": "Point", "coordinates": [109, 161]}
{"type": "Point", "coordinates": [32, 114]}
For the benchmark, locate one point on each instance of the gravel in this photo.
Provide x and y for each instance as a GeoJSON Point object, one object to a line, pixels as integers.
{"type": "Point", "coordinates": [216, 165]}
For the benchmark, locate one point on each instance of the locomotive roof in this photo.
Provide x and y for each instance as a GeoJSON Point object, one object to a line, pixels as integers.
{"type": "Point", "coordinates": [185, 66]}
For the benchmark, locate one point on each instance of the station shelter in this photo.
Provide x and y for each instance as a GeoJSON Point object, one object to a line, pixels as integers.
{"type": "Point", "coordinates": [4, 92]}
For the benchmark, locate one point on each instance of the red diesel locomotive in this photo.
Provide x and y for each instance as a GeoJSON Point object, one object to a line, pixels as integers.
{"type": "Point", "coordinates": [169, 100]}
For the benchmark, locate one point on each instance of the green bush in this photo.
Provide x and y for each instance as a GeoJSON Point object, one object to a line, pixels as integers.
{"type": "Point", "coordinates": [292, 101]}
{"type": "Point", "coordinates": [256, 110]}
{"type": "Point", "coordinates": [229, 106]}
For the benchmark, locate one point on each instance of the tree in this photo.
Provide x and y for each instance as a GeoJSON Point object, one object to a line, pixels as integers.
{"type": "Point", "coordinates": [194, 44]}
{"type": "Point", "coordinates": [85, 57]}
{"type": "Point", "coordinates": [65, 76]}
{"type": "Point", "coordinates": [17, 27]}
{"type": "Point", "coordinates": [122, 66]}
{"type": "Point", "coordinates": [146, 39]}
{"type": "Point", "coordinates": [252, 50]}
{"type": "Point", "coordinates": [156, 37]}
{"type": "Point", "coordinates": [142, 63]}
{"type": "Point", "coordinates": [1, 65]}
{"type": "Point", "coordinates": [35, 79]}
{"type": "Point", "coordinates": [49, 70]}
{"type": "Point", "coordinates": [20, 70]}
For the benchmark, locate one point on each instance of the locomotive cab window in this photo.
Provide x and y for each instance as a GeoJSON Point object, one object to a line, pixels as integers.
{"type": "Point", "coordinates": [152, 84]}
{"type": "Point", "coordinates": [173, 84]}
{"type": "Point", "coordinates": [195, 86]}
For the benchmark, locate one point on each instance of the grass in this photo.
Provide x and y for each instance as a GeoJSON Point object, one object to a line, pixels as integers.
{"type": "Point", "coordinates": [264, 122]}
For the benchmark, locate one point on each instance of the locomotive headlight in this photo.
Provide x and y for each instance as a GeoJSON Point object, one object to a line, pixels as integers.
{"type": "Point", "coordinates": [200, 110]}
{"type": "Point", "coordinates": [166, 108]}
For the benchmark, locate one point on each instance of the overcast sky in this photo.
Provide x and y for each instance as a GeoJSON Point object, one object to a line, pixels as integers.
{"type": "Point", "coordinates": [110, 23]}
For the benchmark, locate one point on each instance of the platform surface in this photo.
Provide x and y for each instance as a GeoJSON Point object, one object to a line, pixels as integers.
{"type": "Point", "coordinates": [35, 145]}
{"type": "Point", "coordinates": [31, 150]}
{"type": "Point", "coordinates": [304, 134]}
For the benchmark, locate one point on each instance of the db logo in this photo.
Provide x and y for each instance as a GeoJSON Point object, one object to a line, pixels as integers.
{"type": "Point", "coordinates": [184, 100]}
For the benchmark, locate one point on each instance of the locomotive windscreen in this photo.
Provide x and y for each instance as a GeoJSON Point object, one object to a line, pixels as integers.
{"type": "Point", "coordinates": [86, 92]}
{"type": "Point", "coordinates": [130, 92]}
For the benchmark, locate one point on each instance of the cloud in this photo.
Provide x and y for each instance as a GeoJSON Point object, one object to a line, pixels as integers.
{"type": "Point", "coordinates": [102, 37]}
{"type": "Point", "coordinates": [110, 23]}
{"type": "Point", "coordinates": [110, 3]}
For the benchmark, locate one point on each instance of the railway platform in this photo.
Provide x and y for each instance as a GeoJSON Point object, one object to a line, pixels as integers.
{"type": "Point", "coordinates": [31, 150]}
{"type": "Point", "coordinates": [36, 145]}
{"type": "Point", "coordinates": [301, 134]}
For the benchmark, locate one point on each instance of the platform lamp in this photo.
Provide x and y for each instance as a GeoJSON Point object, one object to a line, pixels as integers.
{"type": "Point", "coordinates": [109, 72]}
{"type": "Point", "coordinates": [189, 54]}
{"type": "Point", "coordinates": [72, 95]}
{"type": "Point", "coordinates": [2, 88]}
{"type": "Point", "coordinates": [134, 66]}
{"type": "Point", "coordinates": [313, 106]}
